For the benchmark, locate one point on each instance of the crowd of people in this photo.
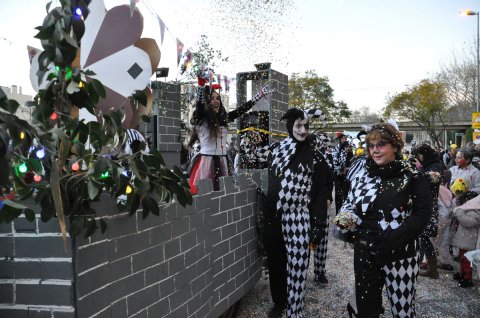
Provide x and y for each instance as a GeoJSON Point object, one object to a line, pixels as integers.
{"type": "Point", "coordinates": [406, 214]}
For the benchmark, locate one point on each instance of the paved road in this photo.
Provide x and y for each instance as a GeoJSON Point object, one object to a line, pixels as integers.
{"type": "Point", "coordinates": [435, 298]}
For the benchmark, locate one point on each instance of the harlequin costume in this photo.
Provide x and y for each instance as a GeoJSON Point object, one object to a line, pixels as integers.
{"type": "Point", "coordinates": [393, 204]}
{"type": "Point", "coordinates": [299, 185]}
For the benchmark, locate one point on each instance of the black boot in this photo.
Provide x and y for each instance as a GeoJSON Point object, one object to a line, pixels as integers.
{"type": "Point", "coordinates": [351, 312]}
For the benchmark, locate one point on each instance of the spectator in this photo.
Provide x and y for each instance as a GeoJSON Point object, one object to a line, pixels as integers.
{"type": "Point", "coordinates": [465, 170]}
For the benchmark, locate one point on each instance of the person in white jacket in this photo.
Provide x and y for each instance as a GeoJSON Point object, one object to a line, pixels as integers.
{"type": "Point", "coordinates": [442, 241]}
{"type": "Point", "coordinates": [466, 237]}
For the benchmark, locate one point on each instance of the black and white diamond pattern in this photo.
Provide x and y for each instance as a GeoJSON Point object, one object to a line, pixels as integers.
{"type": "Point", "coordinates": [364, 189]}
{"type": "Point", "coordinates": [293, 202]}
{"type": "Point", "coordinates": [320, 253]}
{"type": "Point", "coordinates": [283, 154]}
{"type": "Point", "coordinates": [315, 113]}
{"type": "Point", "coordinates": [401, 277]}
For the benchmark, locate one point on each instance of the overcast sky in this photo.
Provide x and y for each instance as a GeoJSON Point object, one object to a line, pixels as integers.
{"type": "Point", "coordinates": [367, 48]}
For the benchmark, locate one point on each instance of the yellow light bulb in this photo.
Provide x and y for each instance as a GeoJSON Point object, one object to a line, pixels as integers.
{"type": "Point", "coordinates": [128, 189]}
{"type": "Point", "coordinates": [22, 135]}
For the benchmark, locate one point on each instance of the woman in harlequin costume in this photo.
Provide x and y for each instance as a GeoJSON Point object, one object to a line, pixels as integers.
{"type": "Point", "coordinates": [388, 206]}
{"type": "Point", "coordinates": [210, 121]}
{"type": "Point", "coordinates": [299, 185]}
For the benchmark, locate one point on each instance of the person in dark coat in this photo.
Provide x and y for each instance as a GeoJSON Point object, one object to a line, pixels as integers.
{"type": "Point", "coordinates": [299, 186]}
{"type": "Point", "coordinates": [431, 165]}
{"type": "Point", "coordinates": [388, 206]}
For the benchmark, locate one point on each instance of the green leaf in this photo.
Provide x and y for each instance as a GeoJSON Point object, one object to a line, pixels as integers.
{"type": "Point", "coordinates": [75, 226]}
{"type": "Point", "coordinates": [89, 73]}
{"type": "Point", "coordinates": [10, 106]}
{"type": "Point", "coordinates": [103, 226]}
{"type": "Point", "coordinates": [9, 213]}
{"type": "Point", "coordinates": [91, 227]}
{"type": "Point", "coordinates": [145, 208]}
{"type": "Point", "coordinates": [29, 215]}
{"type": "Point", "coordinates": [34, 164]}
{"type": "Point", "coordinates": [151, 204]}
{"type": "Point", "coordinates": [135, 203]}
{"type": "Point", "coordinates": [94, 189]}
{"type": "Point", "coordinates": [14, 205]}
{"type": "Point", "coordinates": [99, 88]}
{"type": "Point", "coordinates": [45, 32]}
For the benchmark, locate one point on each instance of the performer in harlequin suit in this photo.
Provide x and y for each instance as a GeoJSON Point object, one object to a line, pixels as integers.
{"type": "Point", "coordinates": [210, 120]}
{"type": "Point", "coordinates": [388, 206]}
{"type": "Point", "coordinates": [299, 185]}
{"type": "Point", "coordinates": [342, 155]}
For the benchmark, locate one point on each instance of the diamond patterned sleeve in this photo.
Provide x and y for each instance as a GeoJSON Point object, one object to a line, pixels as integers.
{"type": "Point", "coordinates": [200, 107]}
{"type": "Point", "coordinates": [234, 114]}
{"type": "Point", "coordinates": [421, 210]}
{"type": "Point", "coordinates": [263, 153]}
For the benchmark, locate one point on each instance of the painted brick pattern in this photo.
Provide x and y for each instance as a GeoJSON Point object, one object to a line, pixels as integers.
{"type": "Point", "coordinates": [36, 272]}
{"type": "Point", "coordinates": [193, 261]}
{"type": "Point", "coordinates": [165, 137]}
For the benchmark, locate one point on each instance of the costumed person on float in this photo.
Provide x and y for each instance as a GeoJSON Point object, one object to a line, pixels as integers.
{"type": "Point", "coordinates": [210, 121]}
{"type": "Point", "coordinates": [299, 189]}
{"type": "Point", "coordinates": [388, 206]}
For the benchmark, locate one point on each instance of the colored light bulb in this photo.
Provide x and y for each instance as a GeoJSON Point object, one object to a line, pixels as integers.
{"type": "Point", "coordinates": [40, 153]}
{"type": "Point", "coordinates": [104, 175]}
{"type": "Point", "coordinates": [75, 166]}
{"type": "Point", "coordinates": [23, 168]}
{"type": "Point", "coordinates": [37, 178]}
{"type": "Point", "coordinates": [128, 189]}
{"type": "Point", "coordinates": [22, 135]}
{"type": "Point", "coordinates": [78, 12]}
{"type": "Point", "coordinates": [54, 116]}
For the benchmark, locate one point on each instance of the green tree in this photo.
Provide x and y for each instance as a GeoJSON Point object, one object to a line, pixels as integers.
{"type": "Point", "coordinates": [312, 91]}
{"type": "Point", "coordinates": [425, 103]}
{"type": "Point", "coordinates": [203, 56]}
{"type": "Point", "coordinates": [75, 153]}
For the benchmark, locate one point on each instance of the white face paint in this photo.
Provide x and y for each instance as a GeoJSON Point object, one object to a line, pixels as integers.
{"type": "Point", "coordinates": [300, 129]}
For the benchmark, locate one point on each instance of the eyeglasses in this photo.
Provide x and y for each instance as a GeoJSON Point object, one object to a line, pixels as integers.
{"type": "Point", "coordinates": [379, 145]}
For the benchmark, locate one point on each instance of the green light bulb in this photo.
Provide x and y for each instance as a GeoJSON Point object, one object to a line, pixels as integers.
{"type": "Point", "coordinates": [23, 168]}
{"type": "Point", "coordinates": [104, 175]}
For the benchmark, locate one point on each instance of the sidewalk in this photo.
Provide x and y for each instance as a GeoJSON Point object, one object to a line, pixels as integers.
{"type": "Point", "coordinates": [435, 298]}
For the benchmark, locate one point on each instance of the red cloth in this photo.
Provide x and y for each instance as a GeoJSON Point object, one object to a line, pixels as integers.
{"type": "Point", "coordinates": [465, 267]}
{"type": "Point", "coordinates": [193, 187]}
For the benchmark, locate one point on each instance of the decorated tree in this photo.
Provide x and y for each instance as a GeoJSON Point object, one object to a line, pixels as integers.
{"type": "Point", "coordinates": [63, 162]}
{"type": "Point", "coordinates": [425, 104]}
{"type": "Point", "coordinates": [313, 91]}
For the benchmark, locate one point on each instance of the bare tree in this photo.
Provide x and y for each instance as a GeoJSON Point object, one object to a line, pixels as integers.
{"type": "Point", "coordinates": [459, 77]}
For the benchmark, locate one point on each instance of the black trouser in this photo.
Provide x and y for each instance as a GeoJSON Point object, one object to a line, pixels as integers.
{"type": "Point", "coordinates": [369, 282]}
{"type": "Point", "coordinates": [339, 191]}
{"type": "Point", "coordinates": [276, 260]}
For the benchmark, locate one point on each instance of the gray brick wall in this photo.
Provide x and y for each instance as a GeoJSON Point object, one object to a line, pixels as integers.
{"type": "Point", "coordinates": [189, 262]}
{"type": "Point", "coordinates": [164, 128]}
{"type": "Point", "coordinates": [36, 271]}
{"type": "Point", "coordinates": [193, 261]}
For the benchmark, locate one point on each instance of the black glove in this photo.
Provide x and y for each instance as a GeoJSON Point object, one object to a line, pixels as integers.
{"type": "Point", "coordinates": [317, 232]}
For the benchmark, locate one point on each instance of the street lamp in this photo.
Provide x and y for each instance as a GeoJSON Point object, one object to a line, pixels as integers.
{"type": "Point", "coordinates": [466, 13]}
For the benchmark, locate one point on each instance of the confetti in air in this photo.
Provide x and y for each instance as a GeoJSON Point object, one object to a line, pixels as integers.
{"type": "Point", "coordinates": [255, 31]}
